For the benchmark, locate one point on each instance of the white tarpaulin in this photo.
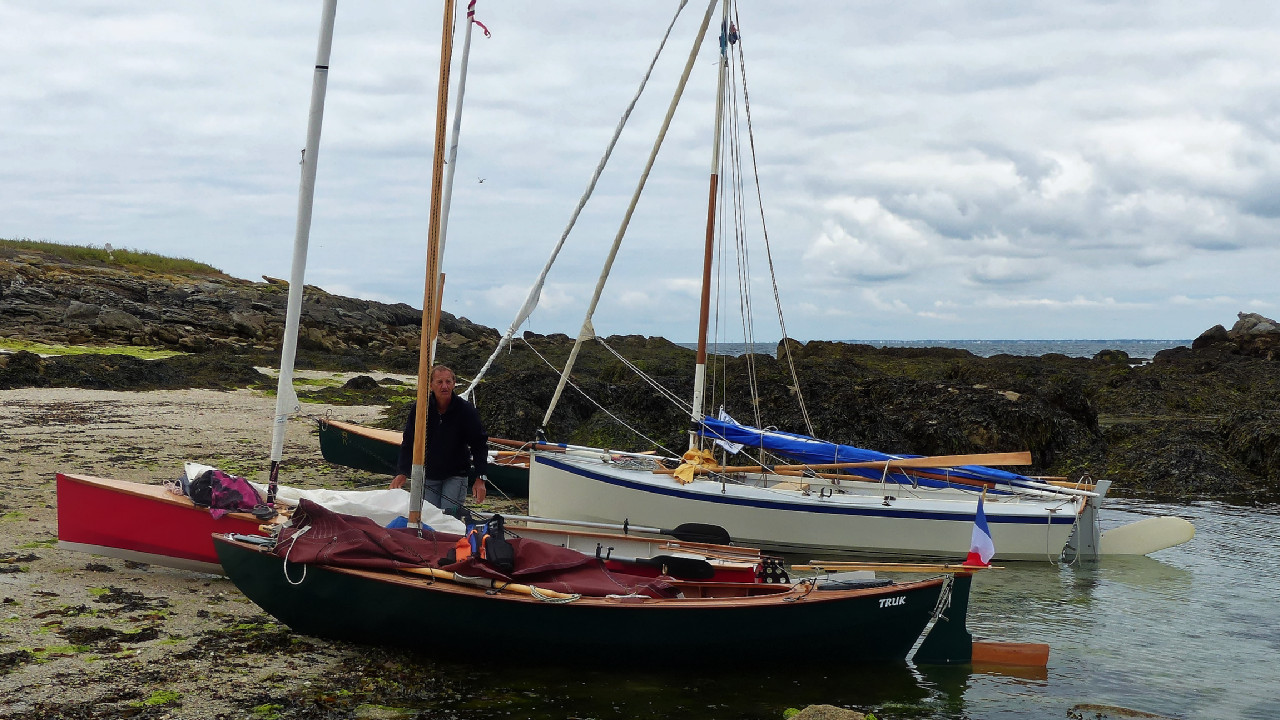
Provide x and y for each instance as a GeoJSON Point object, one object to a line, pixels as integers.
{"type": "Point", "coordinates": [381, 506]}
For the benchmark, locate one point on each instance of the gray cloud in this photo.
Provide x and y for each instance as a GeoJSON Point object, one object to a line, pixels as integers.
{"type": "Point", "coordinates": [930, 171]}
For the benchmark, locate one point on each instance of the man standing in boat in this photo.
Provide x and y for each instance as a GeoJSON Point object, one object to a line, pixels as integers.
{"type": "Point", "coordinates": [457, 447]}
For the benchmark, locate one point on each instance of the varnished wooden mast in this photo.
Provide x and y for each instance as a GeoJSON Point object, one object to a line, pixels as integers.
{"type": "Point", "coordinates": [431, 295]}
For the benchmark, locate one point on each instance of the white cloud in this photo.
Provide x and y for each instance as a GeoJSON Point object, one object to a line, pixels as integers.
{"type": "Point", "coordinates": [983, 162]}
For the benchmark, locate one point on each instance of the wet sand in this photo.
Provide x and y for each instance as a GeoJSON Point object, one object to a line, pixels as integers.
{"type": "Point", "coordinates": [94, 637]}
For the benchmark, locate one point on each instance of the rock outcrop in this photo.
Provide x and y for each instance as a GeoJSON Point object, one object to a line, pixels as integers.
{"type": "Point", "coordinates": [1252, 335]}
{"type": "Point", "coordinates": [45, 299]}
{"type": "Point", "coordinates": [1195, 421]}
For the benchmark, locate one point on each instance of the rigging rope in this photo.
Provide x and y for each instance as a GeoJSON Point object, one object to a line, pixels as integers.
{"type": "Point", "coordinates": [675, 399]}
{"type": "Point", "coordinates": [745, 307]}
{"type": "Point", "coordinates": [746, 102]}
{"type": "Point", "coordinates": [535, 292]}
{"type": "Point", "coordinates": [605, 410]}
{"type": "Point", "coordinates": [284, 566]}
{"type": "Point", "coordinates": [587, 331]}
{"type": "Point", "coordinates": [944, 598]}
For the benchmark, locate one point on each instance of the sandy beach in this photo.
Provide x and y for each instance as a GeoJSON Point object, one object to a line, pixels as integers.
{"type": "Point", "coordinates": [92, 637]}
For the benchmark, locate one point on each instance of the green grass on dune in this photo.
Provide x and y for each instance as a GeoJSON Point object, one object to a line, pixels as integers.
{"type": "Point", "coordinates": [122, 257]}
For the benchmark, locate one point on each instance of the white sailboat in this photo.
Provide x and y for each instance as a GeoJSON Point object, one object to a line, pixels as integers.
{"type": "Point", "coordinates": [911, 507]}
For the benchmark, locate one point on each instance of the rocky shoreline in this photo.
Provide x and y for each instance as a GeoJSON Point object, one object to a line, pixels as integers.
{"type": "Point", "coordinates": [91, 637]}
{"type": "Point", "coordinates": [1194, 422]}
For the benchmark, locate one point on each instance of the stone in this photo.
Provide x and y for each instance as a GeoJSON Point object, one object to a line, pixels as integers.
{"type": "Point", "coordinates": [361, 382]}
{"type": "Point", "coordinates": [81, 312]}
{"type": "Point", "coordinates": [194, 343]}
{"type": "Point", "coordinates": [828, 712]}
{"type": "Point", "coordinates": [253, 325]}
{"type": "Point", "coordinates": [1253, 324]}
{"type": "Point", "coordinates": [1215, 334]}
{"type": "Point", "coordinates": [118, 320]}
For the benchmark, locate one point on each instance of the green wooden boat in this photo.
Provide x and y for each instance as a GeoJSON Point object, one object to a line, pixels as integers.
{"type": "Point", "coordinates": [376, 450]}
{"type": "Point", "coordinates": [734, 623]}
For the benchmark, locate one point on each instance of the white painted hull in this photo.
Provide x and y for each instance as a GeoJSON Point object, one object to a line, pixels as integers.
{"type": "Point", "coordinates": [857, 518]}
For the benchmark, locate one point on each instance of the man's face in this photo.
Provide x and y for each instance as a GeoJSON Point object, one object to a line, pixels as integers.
{"type": "Point", "coordinates": [442, 384]}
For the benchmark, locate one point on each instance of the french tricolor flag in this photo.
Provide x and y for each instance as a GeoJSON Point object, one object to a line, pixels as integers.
{"type": "Point", "coordinates": [981, 548]}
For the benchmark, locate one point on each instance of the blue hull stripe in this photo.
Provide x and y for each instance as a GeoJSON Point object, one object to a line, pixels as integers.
{"type": "Point", "coordinates": [1063, 518]}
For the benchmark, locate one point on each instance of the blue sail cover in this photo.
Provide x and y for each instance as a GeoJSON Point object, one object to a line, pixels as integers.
{"type": "Point", "coordinates": [812, 451]}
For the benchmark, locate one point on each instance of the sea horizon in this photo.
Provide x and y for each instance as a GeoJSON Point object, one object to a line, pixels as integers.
{"type": "Point", "coordinates": [1137, 348]}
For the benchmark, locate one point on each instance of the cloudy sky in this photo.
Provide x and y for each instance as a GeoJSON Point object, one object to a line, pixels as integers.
{"type": "Point", "coordinates": [929, 170]}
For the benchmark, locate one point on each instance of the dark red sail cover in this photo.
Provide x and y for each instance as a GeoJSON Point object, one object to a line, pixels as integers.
{"type": "Point", "coordinates": [325, 537]}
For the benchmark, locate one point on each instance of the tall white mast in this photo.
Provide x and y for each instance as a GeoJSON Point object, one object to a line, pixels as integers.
{"type": "Point", "coordinates": [451, 166]}
{"type": "Point", "coordinates": [286, 399]}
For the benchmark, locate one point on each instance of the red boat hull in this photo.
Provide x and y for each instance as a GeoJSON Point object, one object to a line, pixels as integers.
{"type": "Point", "coordinates": [145, 523]}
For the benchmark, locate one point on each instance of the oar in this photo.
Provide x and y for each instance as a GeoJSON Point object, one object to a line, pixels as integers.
{"type": "Point", "coordinates": [508, 443]}
{"type": "Point", "coordinates": [525, 445]}
{"type": "Point", "coordinates": [935, 461]}
{"type": "Point", "coordinates": [986, 652]}
{"type": "Point", "coordinates": [858, 478]}
{"type": "Point", "coordinates": [489, 583]}
{"type": "Point", "coordinates": [683, 568]}
{"type": "Point", "coordinates": [688, 532]}
{"type": "Point", "coordinates": [898, 567]}
{"type": "Point", "coordinates": [1025, 488]}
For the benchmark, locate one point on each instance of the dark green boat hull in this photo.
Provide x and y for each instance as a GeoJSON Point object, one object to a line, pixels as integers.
{"type": "Point", "coordinates": [820, 628]}
{"type": "Point", "coordinates": [353, 450]}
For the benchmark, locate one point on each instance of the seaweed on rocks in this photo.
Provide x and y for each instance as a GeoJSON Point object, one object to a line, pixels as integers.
{"type": "Point", "coordinates": [124, 372]}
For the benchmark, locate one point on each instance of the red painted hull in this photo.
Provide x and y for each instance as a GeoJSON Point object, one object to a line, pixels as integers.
{"type": "Point", "coordinates": [149, 524]}
{"type": "Point", "coordinates": [141, 522]}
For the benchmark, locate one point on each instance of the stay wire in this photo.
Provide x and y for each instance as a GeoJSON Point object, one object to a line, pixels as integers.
{"type": "Point", "coordinates": [603, 409]}
{"type": "Point", "coordinates": [746, 101]}
{"type": "Point", "coordinates": [535, 291]}
{"type": "Point", "coordinates": [745, 307]}
{"type": "Point", "coordinates": [675, 399]}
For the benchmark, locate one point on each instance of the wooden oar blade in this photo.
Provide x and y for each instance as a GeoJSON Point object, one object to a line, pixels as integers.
{"type": "Point", "coordinates": [700, 533]}
{"type": "Point", "coordinates": [937, 461]}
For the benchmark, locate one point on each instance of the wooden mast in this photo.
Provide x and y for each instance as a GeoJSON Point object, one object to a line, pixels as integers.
{"type": "Point", "coordinates": [704, 310]}
{"type": "Point", "coordinates": [430, 295]}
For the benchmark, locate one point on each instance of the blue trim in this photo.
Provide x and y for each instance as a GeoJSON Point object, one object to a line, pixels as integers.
{"type": "Point", "coordinates": [1055, 519]}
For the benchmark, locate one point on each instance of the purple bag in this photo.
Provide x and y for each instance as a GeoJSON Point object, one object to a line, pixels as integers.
{"type": "Point", "coordinates": [231, 494]}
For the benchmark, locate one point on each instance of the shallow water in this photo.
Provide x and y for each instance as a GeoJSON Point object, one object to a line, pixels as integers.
{"type": "Point", "coordinates": [1191, 632]}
